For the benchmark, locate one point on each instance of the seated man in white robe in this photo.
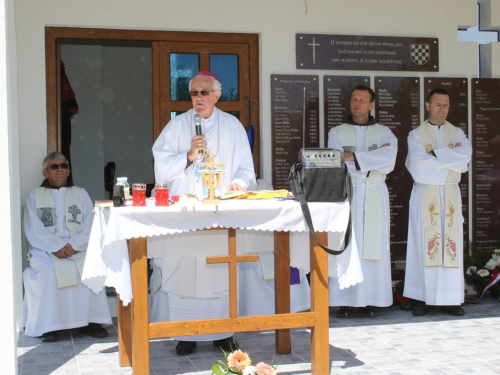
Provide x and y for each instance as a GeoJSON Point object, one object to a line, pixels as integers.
{"type": "Point", "coordinates": [57, 221]}
{"type": "Point", "coordinates": [178, 152]}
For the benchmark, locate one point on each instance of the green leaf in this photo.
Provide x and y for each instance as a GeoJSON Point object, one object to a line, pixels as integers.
{"type": "Point", "coordinates": [216, 370]}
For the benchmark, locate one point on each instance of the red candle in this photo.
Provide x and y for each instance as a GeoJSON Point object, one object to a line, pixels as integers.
{"type": "Point", "coordinates": [161, 194]}
{"type": "Point", "coordinates": [138, 194]}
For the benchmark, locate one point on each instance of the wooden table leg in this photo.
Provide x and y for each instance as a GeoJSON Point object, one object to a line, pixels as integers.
{"type": "Point", "coordinates": [282, 288]}
{"type": "Point", "coordinates": [320, 347]}
{"type": "Point", "coordinates": [124, 333]}
{"type": "Point", "coordinates": [140, 313]}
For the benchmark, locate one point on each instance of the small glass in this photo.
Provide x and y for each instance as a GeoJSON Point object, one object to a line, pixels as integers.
{"type": "Point", "coordinates": [138, 194]}
{"type": "Point", "coordinates": [161, 194]}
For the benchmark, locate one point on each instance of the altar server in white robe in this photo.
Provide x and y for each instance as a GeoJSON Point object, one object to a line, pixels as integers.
{"type": "Point", "coordinates": [57, 221]}
{"type": "Point", "coordinates": [369, 151]}
{"type": "Point", "coordinates": [438, 153]}
{"type": "Point", "coordinates": [177, 158]}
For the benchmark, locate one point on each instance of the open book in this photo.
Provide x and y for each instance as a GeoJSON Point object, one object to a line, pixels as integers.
{"type": "Point", "coordinates": [262, 194]}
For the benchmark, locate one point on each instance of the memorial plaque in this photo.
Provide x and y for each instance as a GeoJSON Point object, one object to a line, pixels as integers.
{"type": "Point", "coordinates": [294, 119]}
{"type": "Point", "coordinates": [397, 105]}
{"type": "Point", "coordinates": [458, 88]}
{"type": "Point", "coordinates": [337, 96]}
{"type": "Point", "coordinates": [486, 162]}
{"type": "Point", "coordinates": [362, 52]}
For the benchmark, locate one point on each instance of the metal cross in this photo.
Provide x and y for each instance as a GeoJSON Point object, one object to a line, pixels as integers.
{"type": "Point", "coordinates": [212, 179]}
{"type": "Point", "coordinates": [314, 44]}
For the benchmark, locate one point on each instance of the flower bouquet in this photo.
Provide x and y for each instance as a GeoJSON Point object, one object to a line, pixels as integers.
{"type": "Point", "coordinates": [398, 300]}
{"type": "Point", "coordinates": [482, 271]}
{"type": "Point", "coordinates": [239, 362]}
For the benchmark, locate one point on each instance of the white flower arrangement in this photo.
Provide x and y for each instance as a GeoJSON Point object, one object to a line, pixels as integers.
{"type": "Point", "coordinates": [483, 273]}
{"type": "Point", "coordinates": [471, 270]}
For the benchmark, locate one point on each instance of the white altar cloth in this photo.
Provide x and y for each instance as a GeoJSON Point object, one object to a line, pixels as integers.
{"type": "Point", "coordinates": [107, 262]}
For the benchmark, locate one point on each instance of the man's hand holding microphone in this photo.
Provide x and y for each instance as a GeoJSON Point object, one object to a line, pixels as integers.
{"type": "Point", "coordinates": [198, 142]}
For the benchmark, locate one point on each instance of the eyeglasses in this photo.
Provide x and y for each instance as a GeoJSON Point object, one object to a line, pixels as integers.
{"type": "Point", "coordinates": [202, 92]}
{"type": "Point", "coordinates": [55, 167]}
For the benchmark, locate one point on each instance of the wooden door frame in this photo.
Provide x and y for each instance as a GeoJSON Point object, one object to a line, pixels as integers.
{"type": "Point", "coordinates": [52, 34]}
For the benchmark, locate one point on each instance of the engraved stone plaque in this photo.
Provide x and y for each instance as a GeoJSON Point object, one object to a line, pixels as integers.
{"type": "Point", "coordinates": [362, 52]}
{"type": "Point", "coordinates": [294, 121]}
{"type": "Point", "coordinates": [397, 105]}
{"type": "Point", "coordinates": [337, 97]}
{"type": "Point", "coordinates": [486, 162]}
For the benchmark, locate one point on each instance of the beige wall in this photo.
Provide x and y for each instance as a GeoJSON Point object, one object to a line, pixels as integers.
{"type": "Point", "coordinates": [277, 22]}
{"type": "Point", "coordinates": [10, 229]}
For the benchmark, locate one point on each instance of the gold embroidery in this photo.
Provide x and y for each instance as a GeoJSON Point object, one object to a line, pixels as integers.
{"type": "Point", "coordinates": [451, 210]}
{"type": "Point", "coordinates": [432, 208]}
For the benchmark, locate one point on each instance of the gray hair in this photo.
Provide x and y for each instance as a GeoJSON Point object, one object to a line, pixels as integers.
{"type": "Point", "coordinates": [52, 156]}
{"type": "Point", "coordinates": [216, 84]}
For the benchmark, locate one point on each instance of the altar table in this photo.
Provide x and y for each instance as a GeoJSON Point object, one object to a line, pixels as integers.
{"type": "Point", "coordinates": [110, 262]}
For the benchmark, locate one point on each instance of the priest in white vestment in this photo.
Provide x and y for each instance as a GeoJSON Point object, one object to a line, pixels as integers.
{"type": "Point", "coordinates": [369, 151]}
{"type": "Point", "coordinates": [178, 151]}
{"type": "Point", "coordinates": [57, 221]}
{"type": "Point", "coordinates": [438, 153]}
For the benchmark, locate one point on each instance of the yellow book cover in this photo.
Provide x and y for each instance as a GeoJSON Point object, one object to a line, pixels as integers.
{"type": "Point", "coordinates": [262, 194]}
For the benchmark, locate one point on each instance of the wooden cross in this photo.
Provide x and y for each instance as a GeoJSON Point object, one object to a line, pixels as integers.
{"type": "Point", "coordinates": [212, 178]}
{"type": "Point", "coordinates": [232, 259]}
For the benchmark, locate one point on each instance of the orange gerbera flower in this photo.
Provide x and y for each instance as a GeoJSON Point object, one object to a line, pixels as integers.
{"type": "Point", "coordinates": [238, 360]}
{"type": "Point", "coordinates": [264, 369]}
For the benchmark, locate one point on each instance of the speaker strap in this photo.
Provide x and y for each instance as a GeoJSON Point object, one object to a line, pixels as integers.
{"type": "Point", "coordinates": [307, 214]}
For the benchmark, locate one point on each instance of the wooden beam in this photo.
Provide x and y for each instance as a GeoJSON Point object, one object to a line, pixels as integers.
{"type": "Point", "coordinates": [282, 288]}
{"type": "Point", "coordinates": [241, 324]}
{"type": "Point", "coordinates": [233, 259]}
{"type": "Point", "coordinates": [51, 90]}
{"type": "Point", "coordinates": [124, 333]}
{"type": "Point", "coordinates": [140, 313]}
{"type": "Point", "coordinates": [320, 347]}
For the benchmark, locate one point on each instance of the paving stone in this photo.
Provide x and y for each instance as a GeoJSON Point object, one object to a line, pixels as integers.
{"type": "Point", "coordinates": [394, 343]}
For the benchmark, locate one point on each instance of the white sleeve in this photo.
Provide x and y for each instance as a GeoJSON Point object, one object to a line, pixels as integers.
{"type": "Point", "coordinates": [428, 169]}
{"type": "Point", "coordinates": [170, 162]}
{"type": "Point", "coordinates": [382, 159]}
{"type": "Point", "coordinates": [334, 142]}
{"type": "Point", "coordinates": [333, 139]}
{"type": "Point", "coordinates": [245, 173]}
{"type": "Point", "coordinates": [456, 158]}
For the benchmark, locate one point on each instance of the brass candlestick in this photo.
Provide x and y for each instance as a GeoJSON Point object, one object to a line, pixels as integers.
{"type": "Point", "coordinates": [211, 178]}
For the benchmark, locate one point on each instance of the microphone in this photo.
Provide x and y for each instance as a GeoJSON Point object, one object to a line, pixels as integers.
{"type": "Point", "coordinates": [197, 125]}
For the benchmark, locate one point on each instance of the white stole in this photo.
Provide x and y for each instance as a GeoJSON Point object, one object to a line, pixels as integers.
{"type": "Point", "coordinates": [431, 204]}
{"type": "Point", "coordinates": [47, 214]}
{"type": "Point", "coordinates": [45, 208]}
{"type": "Point", "coordinates": [372, 228]}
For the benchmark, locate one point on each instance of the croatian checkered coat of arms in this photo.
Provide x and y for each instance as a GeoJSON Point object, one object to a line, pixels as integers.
{"type": "Point", "coordinates": [420, 53]}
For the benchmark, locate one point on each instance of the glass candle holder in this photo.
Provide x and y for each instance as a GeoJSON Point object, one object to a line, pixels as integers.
{"type": "Point", "coordinates": [138, 194]}
{"type": "Point", "coordinates": [161, 194]}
